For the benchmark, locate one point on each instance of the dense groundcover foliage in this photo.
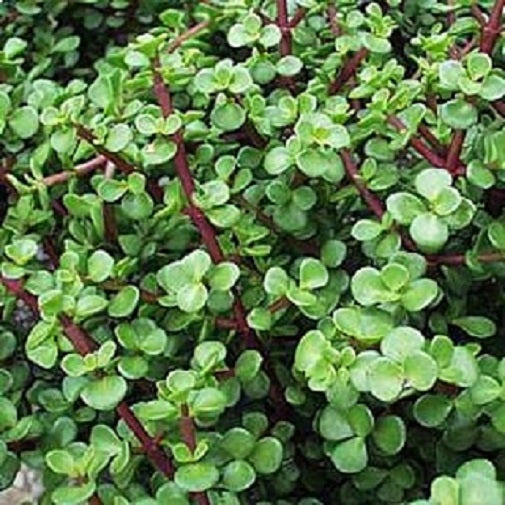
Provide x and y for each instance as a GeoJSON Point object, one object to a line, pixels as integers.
{"type": "Point", "coordinates": [253, 251]}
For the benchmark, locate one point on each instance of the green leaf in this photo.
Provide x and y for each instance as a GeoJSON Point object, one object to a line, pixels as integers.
{"type": "Point", "coordinates": [208, 401]}
{"type": "Point", "coordinates": [333, 424]}
{"type": "Point", "coordinates": [432, 410]}
{"type": "Point", "coordinates": [197, 477]}
{"type": "Point", "coordinates": [266, 456]}
{"type": "Point", "coordinates": [313, 274]}
{"type": "Point", "coordinates": [458, 114]}
{"type": "Point", "coordinates": [386, 379]}
{"type": "Point", "coordinates": [158, 152]}
{"type": "Point", "coordinates": [260, 319]}
{"type": "Point", "coordinates": [431, 181]}
{"type": "Point", "coordinates": [21, 251]}
{"type": "Point", "coordinates": [248, 365]}
{"type": "Point", "coordinates": [238, 476]}
{"type": "Point", "coordinates": [60, 461]}
{"type": "Point", "coordinates": [316, 162]}
{"type": "Point", "coordinates": [192, 297]}
{"type": "Point", "coordinates": [104, 393]}
{"type": "Point", "coordinates": [276, 281]}
{"type": "Point", "coordinates": [429, 232]}
{"type": "Point", "coordinates": [73, 495]}
{"type": "Point", "coordinates": [368, 287]}
{"type": "Point", "coordinates": [476, 326]}
{"type": "Point", "coordinates": [223, 277]}
{"type": "Point", "coordinates": [350, 456]}
{"type": "Point", "coordinates": [8, 414]}
{"type": "Point", "coordinates": [404, 207]}
{"type": "Point", "coordinates": [478, 65]}
{"type": "Point", "coordinates": [419, 294]}
{"type": "Point", "coordinates": [366, 229]}
{"type": "Point", "coordinates": [24, 122]}
{"type": "Point", "coordinates": [289, 65]}
{"type": "Point", "coordinates": [496, 234]}
{"type": "Point", "coordinates": [89, 305]}
{"type": "Point", "coordinates": [390, 434]}
{"type": "Point", "coordinates": [395, 276]}
{"type": "Point", "coordinates": [100, 266]}
{"type": "Point", "coordinates": [333, 253]}
{"type": "Point", "coordinates": [124, 303]}
{"type": "Point", "coordinates": [14, 46]}
{"type": "Point", "coordinates": [228, 117]}
{"type": "Point", "coordinates": [493, 88]}
{"type": "Point", "coordinates": [238, 442]}
{"type": "Point", "coordinates": [118, 138]}
{"type": "Point", "coordinates": [420, 370]}
{"type": "Point", "coordinates": [401, 342]}
{"type": "Point", "coordinates": [449, 74]}
{"type": "Point", "coordinates": [277, 160]}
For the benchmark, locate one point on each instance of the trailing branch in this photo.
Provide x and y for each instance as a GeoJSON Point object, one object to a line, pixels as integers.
{"type": "Point", "coordinates": [373, 202]}
{"type": "Point", "coordinates": [78, 171]}
{"type": "Point", "coordinates": [455, 150]}
{"type": "Point", "coordinates": [491, 30]}
{"type": "Point", "coordinates": [283, 23]}
{"type": "Point", "coordinates": [194, 30]}
{"type": "Point", "coordinates": [348, 71]}
{"type": "Point", "coordinates": [84, 344]}
{"type": "Point", "coordinates": [209, 237]}
{"type": "Point", "coordinates": [114, 158]}
{"type": "Point", "coordinates": [430, 156]}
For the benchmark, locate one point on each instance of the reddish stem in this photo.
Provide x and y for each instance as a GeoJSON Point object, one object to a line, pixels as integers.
{"type": "Point", "coordinates": [283, 24]}
{"type": "Point", "coordinates": [500, 107]}
{"type": "Point", "coordinates": [297, 17]}
{"type": "Point", "coordinates": [373, 202]}
{"type": "Point", "coordinates": [478, 14]}
{"type": "Point", "coordinates": [332, 18]}
{"type": "Point", "coordinates": [425, 132]}
{"type": "Point", "coordinates": [281, 303]}
{"type": "Point", "coordinates": [491, 30]}
{"type": "Point", "coordinates": [194, 30]}
{"type": "Point", "coordinates": [418, 144]}
{"type": "Point", "coordinates": [84, 344]}
{"type": "Point", "coordinates": [114, 158]}
{"type": "Point", "coordinates": [348, 70]}
{"type": "Point", "coordinates": [209, 235]}
{"type": "Point", "coordinates": [455, 150]}
{"type": "Point", "coordinates": [78, 171]}
{"type": "Point", "coordinates": [188, 434]}
{"type": "Point", "coordinates": [460, 259]}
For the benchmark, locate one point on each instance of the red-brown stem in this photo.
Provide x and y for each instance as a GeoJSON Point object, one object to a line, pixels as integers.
{"type": "Point", "coordinates": [500, 107]}
{"type": "Point", "coordinates": [188, 434]}
{"type": "Point", "coordinates": [50, 250]}
{"type": "Point", "coordinates": [194, 30]}
{"type": "Point", "coordinates": [425, 132]}
{"type": "Point", "coordinates": [418, 144]}
{"type": "Point", "coordinates": [348, 70]}
{"type": "Point", "coordinates": [478, 14]}
{"type": "Point", "coordinates": [281, 303]}
{"type": "Point", "coordinates": [84, 344]}
{"type": "Point", "coordinates": [114, 158]}
{"type": "Point", "coordinates": [225, 324]}
{"type": "Point", "coordinates": [332, 18]}
{"type": "Point", "coordinates": [455, 150]}
{"type": "Point", "coordinates": [451, 16]}
{"type": "Point", "coordinates": [460, 259]}
{"type": "Point", "coordinates": [297, 17]}
{"type": "Point", "coordinates": [373, 202]}
{"type": "Point", "coordinates": [78, 171]}
{"type": "Point", "coordinates": [95, 500]}
{"type": "Point", "coordinates": [283, 24]}
{"type": "Point", "coordinates": [491, 30]}
{"type": "Point", "coordinates": [209, 235]}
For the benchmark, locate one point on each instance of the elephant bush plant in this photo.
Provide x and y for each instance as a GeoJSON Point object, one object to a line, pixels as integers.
{"type": "Point", "coordinates": [253, 251]}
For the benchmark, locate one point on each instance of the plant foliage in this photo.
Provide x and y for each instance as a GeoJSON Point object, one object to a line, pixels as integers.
{"type": "Point", "coordinates": [253, 251]}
